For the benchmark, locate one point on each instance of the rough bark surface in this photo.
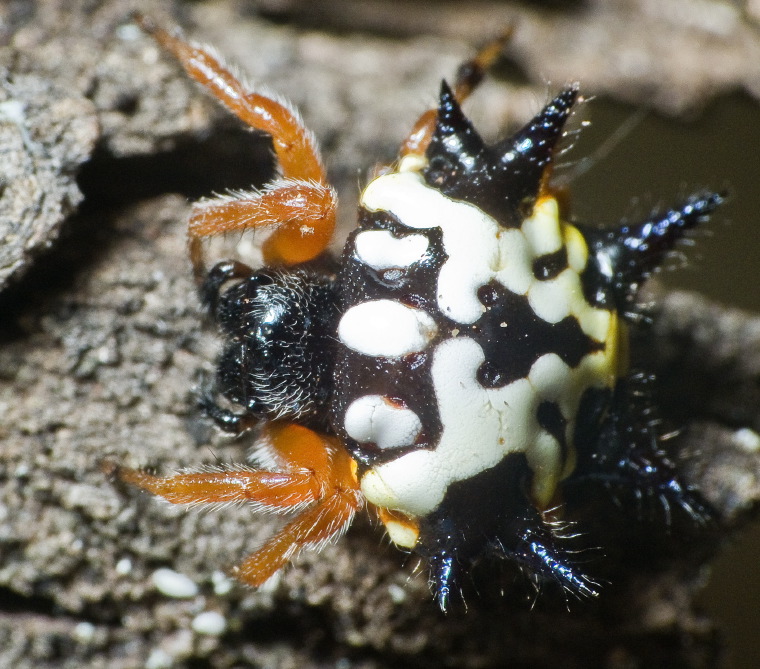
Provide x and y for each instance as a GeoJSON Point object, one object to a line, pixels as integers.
{"type": "Point", "coordinates": [102, 342]}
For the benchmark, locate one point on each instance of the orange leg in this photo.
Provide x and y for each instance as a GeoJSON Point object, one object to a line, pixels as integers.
{"type": "Point", "coordinates": [314, 527]}
{"type": "Point", "coordinates": [304, 214]}
{"type": "Point", "coordinates": [271, 489]}
{"type": "Point", "coordinates": [469, 75]}
{"type": "Point", "coordinates": [318, 480]}
{"type": "Point", "coordinates": [308, 220]}
{"type": "Point", "coordinates": [294, 145]}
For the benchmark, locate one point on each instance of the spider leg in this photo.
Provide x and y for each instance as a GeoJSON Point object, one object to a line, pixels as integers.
{"type": "Point", "coordinates": [294, 145]}
{"type": "Point", "coordinates": [225, 419]}
{"type": "Point", "coordinates": [302, 213]}
{"type": "Point", "coordinates": [218, 275]}
{"type": "Point", "coordinates": [469, 75]}
{"type": "Point", "coordinates": [317, 479]}
{"type": "Point", "coordinates": [301, 207]}
{"type": "Point", "coordinates": [317, 525]}
{"type": "Point", "coordinates": [272, 490]}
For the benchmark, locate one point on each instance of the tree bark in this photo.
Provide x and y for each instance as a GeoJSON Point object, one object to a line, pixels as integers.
{"type": "Point", "coordinates": [102, 340]}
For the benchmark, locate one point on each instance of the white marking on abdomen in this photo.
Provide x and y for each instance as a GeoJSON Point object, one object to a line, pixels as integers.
{"type": "Point", "coordinates": [386, 328]}
{"type": "Point", "coordinates": [373, 419]}
{"type": "Point", "coordinates": [381, 250]}
{"type": "Point", "coordinates": [480, 426]}
{"type": "Point", "coordinates": [478, 248]}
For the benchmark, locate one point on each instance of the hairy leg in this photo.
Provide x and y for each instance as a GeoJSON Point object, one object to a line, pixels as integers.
{"type": "Point", "coordinates": [294, 145]}
{"type": "Point", "coordinates": [300, 207]}
{"type": "Point", "coordinates": [302, 214]}
{"type": "Point", "coordinates": [318, 480]}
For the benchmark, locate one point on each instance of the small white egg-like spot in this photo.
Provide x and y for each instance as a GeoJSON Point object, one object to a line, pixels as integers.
{"type": "Point", "coordinates": [380, 250]}
{"type": "Point", "coordinates": [174, 584]}
{"type": "Point", "coordinates": [221, 582]}
{"type": "Point", "coordinates": [211, 623]}
{"type": "Point", "coordinates": [84, 632]}
{"type": "Point", "coordinates": [123, 566]}
{"type": "Point", "coordinates": [374, 419]}
{"type": "Point", "coordinates": [386, 328]}
{"type": "Point", "coordinates": [748, 439]}
{"type": "Point", "coordinates": [159, 659]}
{"type": "Point", "coordinates": [14, 111]}
{"type": "Point", "coordinates": [397, 593]}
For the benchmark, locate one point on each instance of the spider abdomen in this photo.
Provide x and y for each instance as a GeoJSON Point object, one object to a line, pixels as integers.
{"type": "Point", "coordinates": [502, 353]}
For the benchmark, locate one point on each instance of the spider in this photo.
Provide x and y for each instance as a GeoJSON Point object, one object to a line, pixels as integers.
{"type": "Point", "coordinates": [465, 364]}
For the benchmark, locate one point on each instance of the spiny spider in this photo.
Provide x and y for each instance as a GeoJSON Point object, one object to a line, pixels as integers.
{"type": "Point", "coordinates": [466, 363]}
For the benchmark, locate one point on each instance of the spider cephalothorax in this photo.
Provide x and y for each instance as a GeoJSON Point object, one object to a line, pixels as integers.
{"type": "Point", "coordinates": [466, 362]}
{"type": "Point", "coordinates": [279, 329]}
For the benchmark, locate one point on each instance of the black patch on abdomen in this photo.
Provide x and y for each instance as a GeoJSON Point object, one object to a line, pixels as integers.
{"type": "Point", "coordinates": [492, 505]}
{"type": "Point", "coordinates": [513, 337]}
{"type": "Point", "coordinates": [551, 265]}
